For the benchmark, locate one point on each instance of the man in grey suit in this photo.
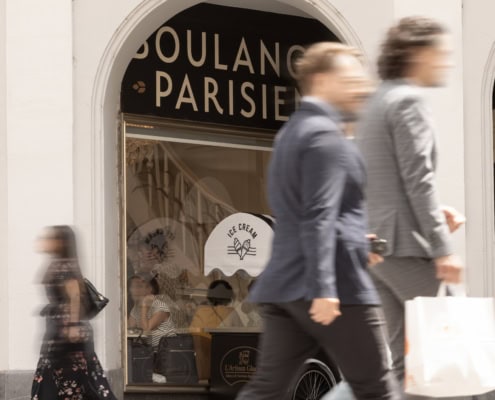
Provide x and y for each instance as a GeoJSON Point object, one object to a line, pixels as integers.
{"type": "Point", "coordinates": [396, 136]}
{"type": "Point", "coordinates": [316, 291]}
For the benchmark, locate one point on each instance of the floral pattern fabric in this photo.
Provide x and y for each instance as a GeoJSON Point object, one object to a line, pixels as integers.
{"type": "Point", "coordinates": [67, 370]}
{"type": "Point", "coordinates": [80, 378]}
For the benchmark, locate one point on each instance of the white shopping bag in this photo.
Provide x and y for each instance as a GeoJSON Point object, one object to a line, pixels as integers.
{"type": "Point", "coordinates": [450, 346]}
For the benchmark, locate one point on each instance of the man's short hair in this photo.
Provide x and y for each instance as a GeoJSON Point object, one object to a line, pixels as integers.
{"type": "Point", "coordinates": [402, 40]}
{"type": "Point", "coordinates": [319, 58]}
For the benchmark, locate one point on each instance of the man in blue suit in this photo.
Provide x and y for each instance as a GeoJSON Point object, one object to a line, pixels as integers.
{"type": "Point", "coordinates": [316, 291]}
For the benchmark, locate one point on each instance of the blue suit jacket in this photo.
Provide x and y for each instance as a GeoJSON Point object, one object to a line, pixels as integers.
{"type": "Point", "coordinates": [315, 190]}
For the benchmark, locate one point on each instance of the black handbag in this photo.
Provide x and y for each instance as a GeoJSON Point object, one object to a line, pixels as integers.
{"type": "Point", "coordinates": [176, 359]}
{"type": "Point", "coordinates": [140, 360]}
{"type": "Point", "coordinates": [96, 301]}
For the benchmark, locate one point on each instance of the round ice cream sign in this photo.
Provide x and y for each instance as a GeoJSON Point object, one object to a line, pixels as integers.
{"type": "Point", "coordinates": [240, 241]}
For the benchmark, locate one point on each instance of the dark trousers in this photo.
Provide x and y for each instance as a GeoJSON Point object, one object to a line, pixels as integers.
{"type": "Point", "coordinates": [356, 341]}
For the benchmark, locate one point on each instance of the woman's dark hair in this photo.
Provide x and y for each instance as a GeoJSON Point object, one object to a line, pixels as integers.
{"type": "Point", "coordinates": [220, 293]}
{"type": "Point", "coordinates": [155, 287]}
{"type": "Point", "coordinates": [402, 40]}
{"type": "Point", "coordinates": [150, 279]}
{"type": "Point", "coordinates": [67, 238]}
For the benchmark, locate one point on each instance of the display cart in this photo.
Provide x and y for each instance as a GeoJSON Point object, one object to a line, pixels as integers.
{"type": "Point", "coordinates": [242, 241]}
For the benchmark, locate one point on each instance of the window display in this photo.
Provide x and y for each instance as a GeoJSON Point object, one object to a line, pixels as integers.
{"type": "Point", "coordinates": [198, 232]}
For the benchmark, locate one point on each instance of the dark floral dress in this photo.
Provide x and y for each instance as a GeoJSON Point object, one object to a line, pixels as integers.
{"type": "Point", "coordinates": [67, 370]}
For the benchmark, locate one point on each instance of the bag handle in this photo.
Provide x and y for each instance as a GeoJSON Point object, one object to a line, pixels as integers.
{"type": "Point", "coordinates": [450, 289]}
{"type": "Point", "coordinates": [140, 339]}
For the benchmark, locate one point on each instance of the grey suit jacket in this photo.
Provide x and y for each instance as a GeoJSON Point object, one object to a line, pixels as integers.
{"type": "Point", "coordinates": [397, 139]}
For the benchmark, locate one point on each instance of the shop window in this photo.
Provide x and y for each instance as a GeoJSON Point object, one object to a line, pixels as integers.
{"type": "Point", "coordinates": [202, 100]}
{"type": "Point", "coordinates": [181, 184]}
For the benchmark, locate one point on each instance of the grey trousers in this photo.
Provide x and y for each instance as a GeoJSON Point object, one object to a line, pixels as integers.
{"type": "Point", "coordinates": [397, 280]}
{"type": "Point", "coordinates": [356, 341]}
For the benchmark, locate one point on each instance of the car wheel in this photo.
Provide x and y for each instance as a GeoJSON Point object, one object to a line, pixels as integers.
{"type": "Point", "coordinates": [315, 380]}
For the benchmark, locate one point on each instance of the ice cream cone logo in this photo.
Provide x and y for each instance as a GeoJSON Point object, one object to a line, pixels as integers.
{"type": "Point", "coordinates": [242, 249]}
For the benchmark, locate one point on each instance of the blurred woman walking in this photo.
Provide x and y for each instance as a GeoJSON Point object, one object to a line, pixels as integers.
{"type": "Point", "coordinates": [68, 367]}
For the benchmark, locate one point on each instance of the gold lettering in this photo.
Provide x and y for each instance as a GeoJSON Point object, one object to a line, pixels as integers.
{"type": "Point", "coordinates": [216, 47]}
{"type": "Point", "coordinates": [246, 61]}
{"type": "Point", "coordinates": [211, 95]}
{"type": "Point", "coordinates": [175, 37]}
{"type": "Point", "coordinates": [159, 92]}
{"type": "Point", "coordinates": [249, 99]}
{"type": "Point", "coordinates": [201, 61]}
{"type": "Point", "coordinates": [265, 55]}
{"type": "Point", "coordinates": [278, 102]}
{"type": "Point", "coordinates": [186, 87]}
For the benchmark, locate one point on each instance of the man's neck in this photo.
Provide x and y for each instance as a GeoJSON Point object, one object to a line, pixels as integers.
{"type": "Point", "coordinates": [324, 104]}
{"type": "Point", "coordinates": [413, 79]}
{"type": "Point", "coordinates": [318, 97]}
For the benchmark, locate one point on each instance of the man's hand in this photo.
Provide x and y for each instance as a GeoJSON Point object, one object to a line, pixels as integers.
{"type": "Point", "coordinates": [454, 218]}
{"type": "Point", "coordinates": [374, 259]}
{"type": "Point", "coordinates": [449, 269]}
{"type": "Point", "coordinates": [324, 311]}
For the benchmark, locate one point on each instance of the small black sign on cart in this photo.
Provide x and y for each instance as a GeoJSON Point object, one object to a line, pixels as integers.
{"type": "Point", "coordinates": [233, 360]}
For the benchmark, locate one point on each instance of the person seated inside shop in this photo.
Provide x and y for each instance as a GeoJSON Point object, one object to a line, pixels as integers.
{"type": "Point", "coordinates": [217, 313]}
{"type": "Point", "coordinates": [150, 314]}
{"type": "Point", "coordinates": [250, 314]}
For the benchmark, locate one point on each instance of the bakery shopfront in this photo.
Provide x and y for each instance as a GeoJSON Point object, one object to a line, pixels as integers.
{"type": "Point", "coordinates": [201, 102]}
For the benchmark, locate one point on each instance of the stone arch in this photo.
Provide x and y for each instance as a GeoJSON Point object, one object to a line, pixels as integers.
{"type": "Point", "coordinates": [105, 244]}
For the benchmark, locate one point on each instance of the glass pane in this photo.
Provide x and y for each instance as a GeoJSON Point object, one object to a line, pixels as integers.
{"type": "Point", "coordinates": [176, 194]}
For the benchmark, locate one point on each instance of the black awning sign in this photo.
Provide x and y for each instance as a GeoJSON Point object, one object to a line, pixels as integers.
{"type": "Point", "coordinates": [221, 65]}
{"type": "Point", "coordinates": [244, 92]}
